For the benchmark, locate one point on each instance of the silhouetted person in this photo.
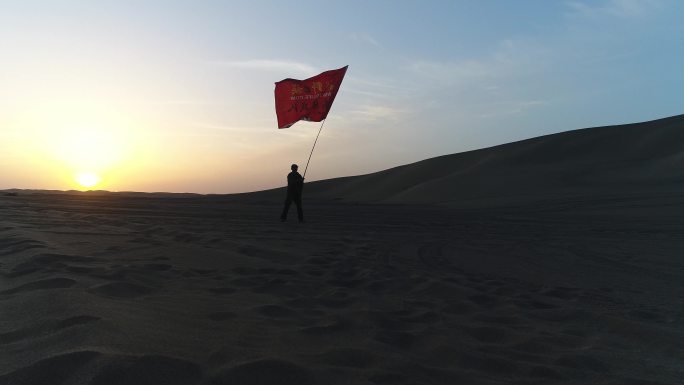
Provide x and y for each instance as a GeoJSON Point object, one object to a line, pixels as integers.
{"type": "Point", "coordinates": [295, 184]}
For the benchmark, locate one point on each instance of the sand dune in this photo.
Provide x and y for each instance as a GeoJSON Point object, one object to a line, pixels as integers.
{"type": "Point", "coordinates": [643, 156]}
{"type": "Point", "coordinates": [558, 264]}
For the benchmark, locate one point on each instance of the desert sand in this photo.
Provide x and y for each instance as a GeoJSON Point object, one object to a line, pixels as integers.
{"type": "Point", "coordinates": [555, 260]}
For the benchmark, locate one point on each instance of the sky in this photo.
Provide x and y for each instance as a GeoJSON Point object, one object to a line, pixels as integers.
{"type": "Point", "coordinates": [178, 95]}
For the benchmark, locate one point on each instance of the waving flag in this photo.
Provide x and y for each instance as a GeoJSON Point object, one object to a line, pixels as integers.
{"type": "Point", "coordinates": [308, 99]}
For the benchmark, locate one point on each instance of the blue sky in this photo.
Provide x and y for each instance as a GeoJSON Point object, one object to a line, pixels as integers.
{"type": "Point", "coordinates": [178, 95]}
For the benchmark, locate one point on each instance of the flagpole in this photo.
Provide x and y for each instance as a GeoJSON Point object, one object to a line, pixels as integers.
{"type": "Point", "coordinates": [312, 148]}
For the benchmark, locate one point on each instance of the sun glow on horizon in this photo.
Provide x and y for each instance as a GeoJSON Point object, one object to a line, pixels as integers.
{"type": "Point", "coordinates": [87, 179]}
{"type": "Point", "coordinates": [86, 153]}
{"type": "Point", "coordinates": [76, 145]}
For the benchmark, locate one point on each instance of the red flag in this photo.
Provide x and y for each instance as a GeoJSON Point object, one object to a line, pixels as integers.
{"type": "Point", "coordinates": [308, 99]}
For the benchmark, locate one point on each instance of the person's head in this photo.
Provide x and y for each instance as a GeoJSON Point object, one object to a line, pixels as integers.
{"type": "Point", "coordinates": [294, 167]}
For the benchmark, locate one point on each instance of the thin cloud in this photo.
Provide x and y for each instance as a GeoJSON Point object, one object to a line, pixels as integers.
{"type": "Point", "coordinates": [614, 8]}
{"type": "Point", "coordinates": [378, 112]}
{"type": "Point", "coordinates": [378, 88]}
{"type": "Point", "coordinates": [362, 92]}
{"type": "Point", "coordinates": [365, 38]}
{"type": "Point", "coordinates": [511, 58]}
{"type": "Point", "coordinates": [390, 85]}
{"type": "Point", "coordinates": [513, 108]}
{"type": "Point", "coordinates": [180, 102]}
{"type": "Point", "coordinates": [226, 128]}
{"type": "Point", "coordinates": [285, 66]}
{"type": "Point", "coordinates": [450, 72]}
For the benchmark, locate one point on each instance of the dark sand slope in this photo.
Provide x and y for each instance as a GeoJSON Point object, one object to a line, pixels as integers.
{"type": "Point", "coordinates": [573, 278]}
{"type": "Point", "coordinates": [604, 160]}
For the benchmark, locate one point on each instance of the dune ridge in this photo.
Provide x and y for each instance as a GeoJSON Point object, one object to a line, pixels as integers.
{"type": "Point", "coordinates": [640, 156]}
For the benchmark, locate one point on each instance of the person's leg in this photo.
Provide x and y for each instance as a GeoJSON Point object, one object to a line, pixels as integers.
{"type": "Point", "coordinates": [300, 213]}
{"type": "Point", "coordinates": [288, 202]}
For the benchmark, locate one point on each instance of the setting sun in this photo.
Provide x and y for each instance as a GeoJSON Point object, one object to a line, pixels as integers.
{"type": "Point", "coordinates": [87, 179]}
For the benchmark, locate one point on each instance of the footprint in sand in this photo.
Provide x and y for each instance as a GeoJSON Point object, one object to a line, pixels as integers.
{"type": "Point", "coordinates": [221, 316]}
{"type": "Point", "coordinates": [336, 325]}
{"type": "Point", "coordinates": [121, 290]}
{"type": "Point", "coordinates": [151, 369]}
{"type": "Point", "coordinates": [646, 315]}
{"type": "Point", "coordinates": [265, 372]}
{"type": "Point", "coordinates": [561, 293]}
{"type": "Point", "coordinates": [399, 339]}
{"type": "Point", "coordinates": [14, 246]}
{"type": "Point", "coordinates": [487, 364]}
{"type": "Point", "coordinates": [223, 290]}
{"type": "Point", "coordinates": [79, 269]}
{"type": "Point", "coordinates": [484, 300]}
{"type": "Point", "coordinates": [315, 272]}
{"type": "Point", "coordinates": [203, 271]}
{"type": "Point", "coordinates": [386, 378]}
{"type": "Point", "coordinates": [241, 270]}
{"type": "Point", "coordinates": [246, 282]}
{"type": "Point", "coordinates": [157, 267]}
{"type": "Point", "coordinates": [458, 308]}
{"type": "Point", "coordinates": [319, 261]}
{"type": "Point", "coordinates": [347, 357]}
{"type": "Point", "coordinates": [47, 262]}
{"type": "Point", "coordinates": [287, 272]}
{"type": "Point", "coordinates": [54, 370]}
{"type": "Point", "coordinates": [52, 283]}
{"type": "Point", "coordinates": [489, 334]}
{"type": "Point", "coordinates": [44, 328]}
{"type": "Point", "coordinates": [275, 311]}
{"type": "Point", "coordinates": [545, 372]}
{"type": "Point", "coordinates": [582, 362]}
{"type": "Point", "coordinates": [536, 305]}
